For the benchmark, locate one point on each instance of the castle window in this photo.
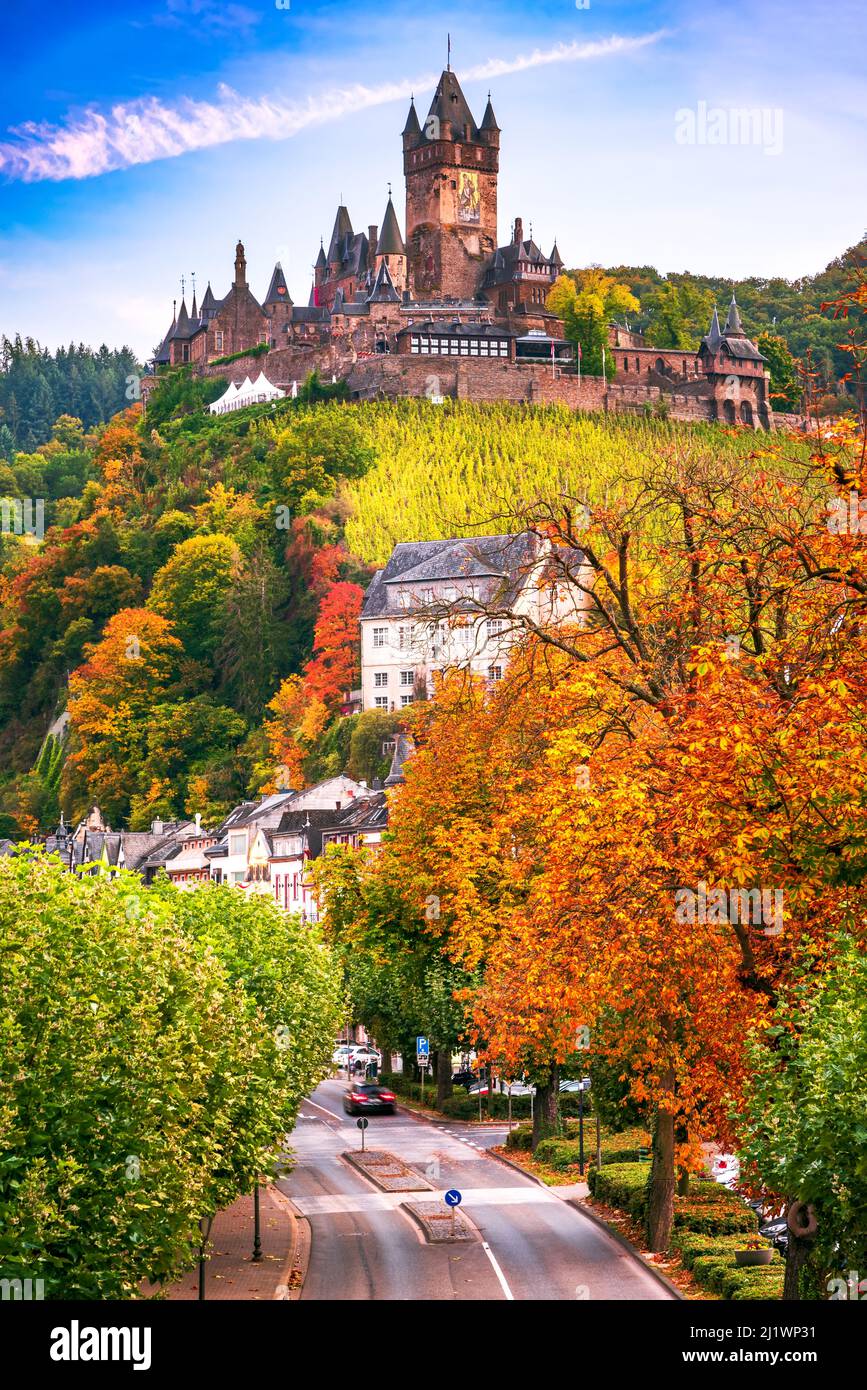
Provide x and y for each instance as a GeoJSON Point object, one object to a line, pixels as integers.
{"type": "Point", "coordinates": [626, 364]}
{"type": "Point", "coordinates": [218, 342]}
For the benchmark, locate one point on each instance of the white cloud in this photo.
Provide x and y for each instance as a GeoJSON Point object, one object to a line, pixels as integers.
{"type": "Point", "coordinates": [148, 129]}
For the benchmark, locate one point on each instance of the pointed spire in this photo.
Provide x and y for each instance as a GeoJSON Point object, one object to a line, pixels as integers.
{"type": "Point", "coordinates": [342, 230]}
{"type": "Point", "coordinates": [489, 120]}
{"type": "Point", "coordinates": [278, 290]}
{"type": "Point", "coordinates": [555, 257]}
{"type": "Point", "coordinates": [320, 263]}
{"type": "Point", "coordinates": [713, 337]}
{"type": "Point", "coordinates": [390, 240]}
{"type": "Point", "coordinates": [209, 303]}
{"type": "Point", "coordinates": [733, 326]}
{"type": "Point", "coordinates": [412, 126]}
{"type": "Point", "coordinates": [194, 313]}
{"type": "Point", "coordinates": [450, 105]}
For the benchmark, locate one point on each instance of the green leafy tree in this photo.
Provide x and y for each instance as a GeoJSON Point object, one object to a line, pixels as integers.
{"type": "Point", "coordinates": [804, 1122]}
{"type": "Point", "coordinates": [678, 314]}
{"type": "Point", "coordinates": [144, 1082]}
{"type": "Point", "coordinates": [192, 590]}
{"type": "Point", "coordinates": [785, 390]}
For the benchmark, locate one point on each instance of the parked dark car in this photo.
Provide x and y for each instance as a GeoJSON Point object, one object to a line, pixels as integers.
{"type": "Point", "coordinates": [368, 1099]}
{"type": "Point", "coordinates": [465, 1077]}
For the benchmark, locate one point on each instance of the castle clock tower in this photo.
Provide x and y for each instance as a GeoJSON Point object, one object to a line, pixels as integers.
{"type": "Point", "coordinates": [451, 168]}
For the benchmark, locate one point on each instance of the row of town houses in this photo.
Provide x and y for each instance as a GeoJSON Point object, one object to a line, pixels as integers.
{"type": "Point", "coordinates": [266, 846]}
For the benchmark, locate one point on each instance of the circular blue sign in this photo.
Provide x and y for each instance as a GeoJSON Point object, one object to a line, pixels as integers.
{"type": "Point", "coordinates": [453, 1198]}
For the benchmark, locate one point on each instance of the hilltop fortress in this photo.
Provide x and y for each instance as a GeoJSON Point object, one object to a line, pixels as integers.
{"type": "Point", "coordinates": [447, 311]}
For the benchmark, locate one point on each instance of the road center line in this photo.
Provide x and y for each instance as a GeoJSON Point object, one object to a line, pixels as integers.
{"type": "Point", "coordinates": [499, 1273]}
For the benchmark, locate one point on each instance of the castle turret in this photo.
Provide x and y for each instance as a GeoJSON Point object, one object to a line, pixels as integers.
{"type": "Point", "coordinates": [390, 248]}
{"type": "Point", "coordinates": [451, 168]}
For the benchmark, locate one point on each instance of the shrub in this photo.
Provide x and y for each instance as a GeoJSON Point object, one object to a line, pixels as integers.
{"type": "Point", "coordinates": [460, 1107]}
{"type": "Point", "coordinates": [622, 1185]}
{"type": "Point", "coordinates": [558, 1153]}
{"type": "Point", "coordinates": [714, 1218]}
{"type": "Point", "coordinates": [521, 1137]}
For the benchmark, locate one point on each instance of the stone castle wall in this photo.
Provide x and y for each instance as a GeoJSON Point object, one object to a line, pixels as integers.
{"type": "Point", "coordinates": [390, 376]}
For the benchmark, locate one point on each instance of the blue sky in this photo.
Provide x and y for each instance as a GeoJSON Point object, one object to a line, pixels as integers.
{"type": "Point", "coordinates": [138, 141]}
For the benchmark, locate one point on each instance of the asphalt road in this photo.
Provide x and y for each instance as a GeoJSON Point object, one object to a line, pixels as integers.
{"type": "Point", "coordinates": [534, 1245]}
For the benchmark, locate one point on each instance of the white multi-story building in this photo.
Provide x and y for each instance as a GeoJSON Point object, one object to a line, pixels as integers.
{"type": "Point", "coordinates": [439, 605]}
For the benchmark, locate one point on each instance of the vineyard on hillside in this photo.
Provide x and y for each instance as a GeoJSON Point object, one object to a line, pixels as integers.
{"type": "Point", "coordinates": [441, 470]}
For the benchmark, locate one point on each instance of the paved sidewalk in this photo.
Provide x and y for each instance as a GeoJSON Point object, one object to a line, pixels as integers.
{"type": "Point", "coordinates": [230, 1272]}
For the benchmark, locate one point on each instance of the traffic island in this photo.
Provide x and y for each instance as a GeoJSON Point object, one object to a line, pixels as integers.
{"type": "Point", "coordinates": [387, 1171]}
{"type": "Point", "coordinates": [441, 1226]}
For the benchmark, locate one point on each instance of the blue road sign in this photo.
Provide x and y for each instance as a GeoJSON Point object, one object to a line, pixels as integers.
{"type": "Point", "coordinates": [453, 1197]}
{"type": "Point", "coordinates": [422, 1047]}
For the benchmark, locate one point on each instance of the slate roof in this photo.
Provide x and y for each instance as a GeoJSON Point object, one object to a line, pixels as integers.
{"type": "Point", "coordinates": [383, 291]}
{"type": "Point", "coordinates": [505, 560]}
{"type": "Point", "coordinates": [732, 337]}
{"type": "Point", "coordinates": [450, 104]}
{"type": "Point", "coordinates": [265, 813]}
{"type": "Point", "coordinates": [505, 260]}
{"type": "Point", "coordinates": [278, 290]}
{"type": "Point", "coordinates": [390, 240]}
{"type": "Point", "coordinates": [489, 120]}
{"type": "Point", "coordinates": [412, 126]}
{"type": "Point", "coordinates": [403, 750]}
{"type": "Point", "coordinates": [367, 813]}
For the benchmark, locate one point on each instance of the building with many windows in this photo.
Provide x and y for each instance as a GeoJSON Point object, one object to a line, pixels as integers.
{"type": "Point", "coordinates": [458, 604]}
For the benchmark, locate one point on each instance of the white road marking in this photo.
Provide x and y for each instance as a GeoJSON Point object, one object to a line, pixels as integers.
{"type": "Point", "coordinates": [332, 1204]}
{"type": "Point", "coordinates": [499, 1273]}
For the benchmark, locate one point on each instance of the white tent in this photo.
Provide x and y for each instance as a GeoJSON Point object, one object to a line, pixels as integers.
{"type": "Point", "coordinates": [224, 402]}
{"type": "Point", "coordinates": [248, 393]}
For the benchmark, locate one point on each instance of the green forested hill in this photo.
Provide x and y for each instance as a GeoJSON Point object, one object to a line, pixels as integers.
{"type": "Point", "coordinates": [790, 308]}
{"type": "Point", "coordinates": [194, 600]}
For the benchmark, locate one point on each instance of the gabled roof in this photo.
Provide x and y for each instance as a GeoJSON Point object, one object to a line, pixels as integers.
{"type": "Point", "coordinates": [505, 561]}
{"type": "Point", "coordinates": [390, 240]}
{"type": "Point", "coordinates": [367, 813]}
{"type": "Point", "coordinates": [278, 290]}
{"type": "Point", "coordinates": [383, 291]}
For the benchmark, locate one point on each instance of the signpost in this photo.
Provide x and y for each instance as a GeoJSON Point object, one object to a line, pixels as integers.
{"type": "Point", "coordinates": [453, 1199]}
{"type": "Point", "coordinates": [422, 1057]}
{"type": "Point", "coordinates": [362, 1125]}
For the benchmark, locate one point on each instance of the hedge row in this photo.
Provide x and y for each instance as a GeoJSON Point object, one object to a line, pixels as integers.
{"type": "Point", "coordinates": [710, 1224]}
{"type": "Point", "coordinates": [711, 1259]}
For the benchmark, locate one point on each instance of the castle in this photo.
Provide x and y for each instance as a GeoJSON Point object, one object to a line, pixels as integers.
{"type": "Point", "coordinates": [446, 311]}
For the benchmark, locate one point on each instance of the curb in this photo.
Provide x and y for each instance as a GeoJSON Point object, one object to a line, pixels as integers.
{"type": "Point", "coordinates": [581, 1206]}
{"type": "Point", "coordinates": [349, 1157]}
{"type": "Point", "coordinates": [627, 1245]}
{"type": "Point", "coordinates": [472, 1231]}
{"type": "Point", "coordinates": [299, 1257]}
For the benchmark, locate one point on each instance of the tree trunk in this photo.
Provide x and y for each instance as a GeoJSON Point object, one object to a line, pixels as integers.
{"type": "Point", "coordinates": [546, 1107]}
{"type": "Point", "coordinates": [443, 1067]}
{"type": "Point", "coordinates": [660, 1196]}
{"type": "Point", "coordinates": [797, 1252]}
